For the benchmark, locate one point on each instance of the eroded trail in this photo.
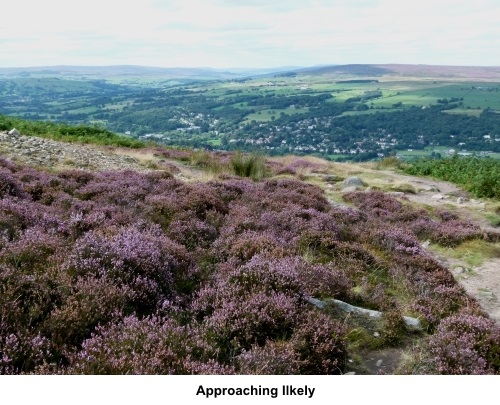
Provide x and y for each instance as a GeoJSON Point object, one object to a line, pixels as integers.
{"type": "Point", "coordinates": [482, 281]}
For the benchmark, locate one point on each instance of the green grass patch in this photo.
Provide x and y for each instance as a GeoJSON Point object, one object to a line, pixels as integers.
{"type": "Point", "coordinates": [472, 253]}
{"type": "Point", "coordinates": [68, 133]}
{"type": "Point", "coordinates": [253, 166]}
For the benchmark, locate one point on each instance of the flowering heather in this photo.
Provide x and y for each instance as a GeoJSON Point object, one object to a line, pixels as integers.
{"type": "Point", "coordinates": [21, 352]}
{"type": "Point", "coordinates": [143, 259]}
{"type": "Point", "coordinates": [275, 357]}
{"type": "Point", "coordinates": [320, 344]}
{"type": "Point", "coordinates": [8, 185]}
{"type": "Point", "coordinates": [133, 346]}
{"type": "Point", "coordinates": [130, 273]}
{"type": "Point", "coordinates": [466, 344]}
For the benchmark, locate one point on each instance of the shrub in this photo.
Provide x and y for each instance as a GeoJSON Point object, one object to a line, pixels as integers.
{"type": "Point", "coordinates": [149, 346]}
{"type": "Point", "coordinates": [466, 344]}
{"type": "Point", "coordinates": [143, 259]}
{"type": "Point", "coordinates": [320, 343]}
{"type": "Point", "coordinates": [274, 358]}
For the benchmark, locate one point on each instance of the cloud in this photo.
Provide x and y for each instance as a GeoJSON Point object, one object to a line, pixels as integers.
{"type": "Point", "coordinates": [249, 33]}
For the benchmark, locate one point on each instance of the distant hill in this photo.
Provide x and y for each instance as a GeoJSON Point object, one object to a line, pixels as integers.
{"type": "Point", "coordinates": [99, 72]}
{"type": "Point", "coordinates": [205, 73]}
{"type": "Point", "coordinates": [432, 71]}
{"type": "Point", "coordinates": [124, 71]}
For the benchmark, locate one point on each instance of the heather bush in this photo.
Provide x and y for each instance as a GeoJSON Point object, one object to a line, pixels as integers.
{"type": "Point", "coordinates": [133, 346]}
{"type": "Point", "coordinates": [122, 272]}
{"type": "Point", "coordinates": [143, 259]}
{"type": "Point", "coordinates": [274, 358]}
{"type": "Point", "coordinates": [90, 302]}
{"type": "Point", "coordinates": [21, 353]}
{"type": "Point", "coordinates": [9, 165]}
{"type": "Point", "coordinates": [320, 343]}
{"type": "Point", "coordinates": [466, 344]}
{"type": "Point", "coordinates": [32, 249]}
{"type": "Point", "coordinates": [394, 327]}
{"type": "Point", "coordinates": [245, 245]}
{"type": "Point", "coordinates": [296, 192]}
{"type": "Point", "coordinates": [253, 319]}
{"type": "Point", "coordinates": [192, 232]}
{"type": "Point", "coordinates": [300, 165]}
{"type": "Point", "coordinates": [398, 240]}
{"type": "Point", "coordinates": [27, 297]}
{"type": "Point", "coordinates": [252, 303]}
{"type": "Point", "coordinates": [9, 185]}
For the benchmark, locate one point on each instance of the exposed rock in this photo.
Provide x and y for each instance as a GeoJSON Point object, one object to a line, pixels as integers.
{"type": "Point", "coordinates": [461, 200]}
{"type": "Point", "coordinates": [38, 151]}
{"type": "Point", "coordinates": [317, 303]}
{"type": "Point", "coordinates": [353, 182]}
{"type": "Point", "coordinates": [438, 197]}
{"type": "Point", "coordinates": [410, 322]}
{"type": "Point", "coordinates": [428, 187]}
{"type": "Point", "coordinates": [349, 189]}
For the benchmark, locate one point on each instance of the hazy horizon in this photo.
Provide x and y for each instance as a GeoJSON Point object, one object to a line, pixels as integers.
{"type": "Point", "coordinates": [243, 68]}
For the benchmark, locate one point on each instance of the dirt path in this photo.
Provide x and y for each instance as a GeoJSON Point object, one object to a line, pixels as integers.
{"type": "Point", "coordinates": [482, 282]}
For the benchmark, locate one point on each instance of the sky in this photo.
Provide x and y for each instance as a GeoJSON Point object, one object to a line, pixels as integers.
{"type": "Point", "coordinates": [248, 33]}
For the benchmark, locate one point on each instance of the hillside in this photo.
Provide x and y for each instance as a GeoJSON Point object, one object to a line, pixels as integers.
{"type": "Point", "coordinates": [429, 71]}
{"type": "Point", "coordinates": [151, 260]}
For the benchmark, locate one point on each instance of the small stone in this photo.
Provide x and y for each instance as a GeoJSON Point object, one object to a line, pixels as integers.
{"type": "Point", "coordinates": [376, 334]}
{"type": "Point", "coordinates": [426, 244]}
{"type": "Point", "coordinates": [458, 270]}
{"type": "Point", "coordinates": [438, 197]}
{"type": "Point", "coordinates": [353, 182]}
{"type": "Point", "coordinates": [460, 200]}
{"type": "Point", "coordinates": [428, 187]}
{"type": "Point", "coordinates": [349, 189]}
{"type": "Point", "coordinates": [379, 363]}
{"type": "Point", "coordinates": [14, 132]}
{"type": "Point", "coordinates": [350, 373]}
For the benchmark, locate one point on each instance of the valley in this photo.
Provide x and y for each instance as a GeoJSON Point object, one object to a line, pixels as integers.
{"type": "Point", "coordinates": [342, 113]}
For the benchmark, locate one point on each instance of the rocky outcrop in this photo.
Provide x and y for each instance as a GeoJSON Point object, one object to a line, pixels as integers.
{"type": "Point", "coordinates": [410, 322]}
{"type": "Point", "coordinates": [54, 154]}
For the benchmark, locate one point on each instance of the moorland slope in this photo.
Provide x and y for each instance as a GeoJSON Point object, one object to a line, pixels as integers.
{"type": "Point", "coordinates": [168, 261]}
